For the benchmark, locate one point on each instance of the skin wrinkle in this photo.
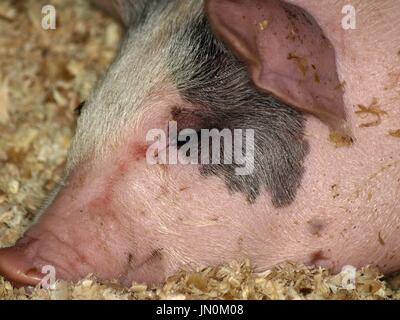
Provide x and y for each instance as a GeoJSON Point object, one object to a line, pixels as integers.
{"type": "Point", "coordinates": [73, 249]}
{"type": "Point", "coordinates": [58, 267]}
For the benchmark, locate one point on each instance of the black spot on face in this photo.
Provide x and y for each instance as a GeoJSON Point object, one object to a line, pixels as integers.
{"type": "Point", "coordinates": [217, 86]}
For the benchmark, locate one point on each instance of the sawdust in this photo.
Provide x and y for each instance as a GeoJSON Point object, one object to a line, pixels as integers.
{"type": "Point", "coordinates": [395, 133]}
{"type": "Point", "coordinates": [374, 110]}
{"type": "Point", "coordinates": [340, 140]}
{"type": "Point", "coordinates": [44, 75]}
{"type": "Point", "coordinates": [263, 24]}
{"type": "Point", "coordinates": [233, 281]}
{"type": "Point", "coordinates": [300, 62]}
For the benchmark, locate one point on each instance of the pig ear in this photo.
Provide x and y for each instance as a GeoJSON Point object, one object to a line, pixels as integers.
{"type": "Point", "coordinates": [285, 51]}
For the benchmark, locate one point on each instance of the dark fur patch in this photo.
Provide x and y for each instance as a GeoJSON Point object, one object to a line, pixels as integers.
{"type": "Point", "coordinates": [217, 85]}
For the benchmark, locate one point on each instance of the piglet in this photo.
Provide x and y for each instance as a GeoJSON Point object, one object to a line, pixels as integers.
{"type": "Point", "coordinates": [142, 195]}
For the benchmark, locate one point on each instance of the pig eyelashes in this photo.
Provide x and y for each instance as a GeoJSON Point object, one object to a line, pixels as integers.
{"type": "Point", "coordinates": [78, 109]}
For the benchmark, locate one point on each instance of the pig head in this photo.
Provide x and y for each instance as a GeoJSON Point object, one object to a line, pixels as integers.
{"type": "Point", "coordinates": [260, 65]}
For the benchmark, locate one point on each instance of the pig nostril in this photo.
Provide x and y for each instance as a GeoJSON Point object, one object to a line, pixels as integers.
{"type": "Point", "coordinates": [15, 268]}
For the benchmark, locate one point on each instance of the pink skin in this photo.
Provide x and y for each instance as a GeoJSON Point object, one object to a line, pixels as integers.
{"type": "Point", "coordinates": [151, 220]}
{"type": "Point", "coordinates": [121, 218]}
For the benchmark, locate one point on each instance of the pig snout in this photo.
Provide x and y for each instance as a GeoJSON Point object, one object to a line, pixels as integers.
{"type": "Point", "coordinates": [86, 229]}
{"type": "Point", "coordinates": [17, 268]}
{"type": "Point", "coordinates": [307, 198]}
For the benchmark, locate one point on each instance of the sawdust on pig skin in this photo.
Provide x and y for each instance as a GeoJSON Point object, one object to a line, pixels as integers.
{"type": "Point", "coordinates": [374, 110]}
{"type": "Point", "coordinates": [340, 140]}
{"type": "Point", "coordinates": [395, 133]}
{"type": "Point", "coordinates": [44, 76]}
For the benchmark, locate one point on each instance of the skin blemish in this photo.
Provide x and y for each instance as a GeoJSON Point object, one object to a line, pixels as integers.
{"type": "Point", "coordinates": [317, 79]}
{"type": "Point", "coordinates": [381, 241]}
{"type": "Point", "coordinates": [240, 242]}
{"type": "Point", "coordinates": [138, 151]}
{"type": "Point", "coordinates": [164, 191]}
{"type": "Point", "coordinates": [316, 257]}
{"type": "Point", "coordinates": [315, 226]}
{"type": "Point", "coordinates": [183, 188]}
{"type": "Point", "coordinates": [122, 167]}
{"type": "Point", "coordinates": [176, 112]}
{"type": "Point", "coordinates": [334, 190]}
{"type": "Point", "coordinates": [130, 258]}
{"type": "Point", "coordinates": [393, 81]}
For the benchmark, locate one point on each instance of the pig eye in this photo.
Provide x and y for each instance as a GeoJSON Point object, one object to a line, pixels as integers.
{"type": "Point", "coordinates": [78, 109]}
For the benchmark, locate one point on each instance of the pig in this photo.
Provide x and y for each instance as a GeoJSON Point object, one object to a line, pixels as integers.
{"type": "Point", "coordinates": [322, 101]}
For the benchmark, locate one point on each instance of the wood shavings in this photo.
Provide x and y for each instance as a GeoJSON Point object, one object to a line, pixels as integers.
{"type": "Point", "coordinates": [48, 74]}
{"type": "Point", "coordinates": [43, 77]}
{"type": "Point", "coordinates": [236, 280]}
{"type": "Point", "coordinates": [300, 62]}
{"type": "Point", "coordinates": [263, 24]}
{"type": "Point", "coordinates": [395, 133]}
{"type": "Point", "coordinates": [4, 102]}
{"type": "Point", "coordinates": [341, 86]}
{"type": "Point", "coordinates": [374, 110]}
{"type": "Point", "coordinates": [7, 12]}
{"type": "Point", "coordinates": [340, 140]}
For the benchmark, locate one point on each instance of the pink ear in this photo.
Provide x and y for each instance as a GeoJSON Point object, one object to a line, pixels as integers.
{"type": "Point", "coordinates": [285, 51]}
